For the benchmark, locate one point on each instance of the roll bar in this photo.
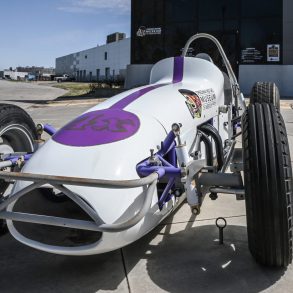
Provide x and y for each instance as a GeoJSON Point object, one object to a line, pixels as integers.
{"type": "Point", "coordinates": [235, 86]}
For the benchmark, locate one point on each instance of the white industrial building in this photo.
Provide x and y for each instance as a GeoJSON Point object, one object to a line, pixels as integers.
{"type": "Point", "coordinates": [105, 62]}
{"type": "Point", "coordinates": [15, 75]}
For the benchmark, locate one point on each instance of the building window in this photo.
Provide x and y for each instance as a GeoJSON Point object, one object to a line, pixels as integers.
{"type": "Point", "coordinates": [91, 76]}
{"type": "Point", "coordinates": [106, 56]}
{"type": "Point", "coordinates": [85, 57]}
{"type": "Point", "coordinates": [98, 74]}
{"type": "Point", "coordinates": [107, 73]}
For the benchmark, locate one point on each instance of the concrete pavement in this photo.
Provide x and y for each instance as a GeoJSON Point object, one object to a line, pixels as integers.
{"type": "Point", "coordinates": [180, 255]}
{"type": "Point", "coordinates": [25, 94]}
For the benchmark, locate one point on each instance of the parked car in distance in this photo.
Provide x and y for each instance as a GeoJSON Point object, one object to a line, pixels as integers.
{"type": "Point", "coordinates": [64, 77]}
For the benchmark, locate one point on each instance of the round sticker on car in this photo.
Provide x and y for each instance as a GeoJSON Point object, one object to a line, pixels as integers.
{"type": "Point", "coordinates": [193, 103]}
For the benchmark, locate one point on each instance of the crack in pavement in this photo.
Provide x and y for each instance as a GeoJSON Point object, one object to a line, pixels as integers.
{"type": "Point", "coordinates": [125, 269]}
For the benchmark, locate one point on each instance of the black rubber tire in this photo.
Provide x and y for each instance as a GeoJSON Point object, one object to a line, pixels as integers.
{"type": "Point", "coordinates": [268, 185]}
{"type": "Point", "coordinates": [14, 115]}
{"type": "Point", "coordinates": [265, 92]}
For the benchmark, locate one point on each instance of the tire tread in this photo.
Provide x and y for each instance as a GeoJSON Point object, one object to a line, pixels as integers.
{"type": "Point", "coordinates": [268, 185]}
{"type": "Point", "coordinates": [265, 92]}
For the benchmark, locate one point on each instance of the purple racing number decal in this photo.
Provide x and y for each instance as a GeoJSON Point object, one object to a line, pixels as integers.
{"type": "Point", "coordinates": [98, 127]}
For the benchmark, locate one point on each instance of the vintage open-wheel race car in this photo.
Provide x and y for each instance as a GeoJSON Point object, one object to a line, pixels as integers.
{"type": "Point", "coordinates": [114, 173]}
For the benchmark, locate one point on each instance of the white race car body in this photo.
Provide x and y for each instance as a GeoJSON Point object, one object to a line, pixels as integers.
{"type": "Point", "coordinates": [115, 172]}
{"type": "Point", "coordinates": [110, 139]}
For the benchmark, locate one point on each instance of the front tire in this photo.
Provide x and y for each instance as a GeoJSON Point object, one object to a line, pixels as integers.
{"type": "Point", "coordinates": [268, 185]}
{"type": "Point", "coordinates": [17, 134]}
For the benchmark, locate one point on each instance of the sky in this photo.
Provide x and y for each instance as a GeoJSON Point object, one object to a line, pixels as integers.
{"type": "Point", "coordinates": [35, 32]}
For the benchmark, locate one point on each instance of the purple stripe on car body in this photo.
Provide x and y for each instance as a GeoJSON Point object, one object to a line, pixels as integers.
{"type": "Point", "coordinates": [134, 96]}
{"type": "Point", "coordinates": [178, 69]}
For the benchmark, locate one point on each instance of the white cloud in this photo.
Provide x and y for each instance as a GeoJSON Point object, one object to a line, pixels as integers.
{"type": "Point", "coordinates": [94, 6]}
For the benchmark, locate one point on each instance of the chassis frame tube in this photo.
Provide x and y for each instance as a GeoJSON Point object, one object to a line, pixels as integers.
{"type": "Point", "coordinates": [119, 184]}
{"type": "Point", "coordinates": [49, 220]}
{"type": "Point", "coordinates": [227, 190]}
{"type": "Point", "coordinates": [56, 181]}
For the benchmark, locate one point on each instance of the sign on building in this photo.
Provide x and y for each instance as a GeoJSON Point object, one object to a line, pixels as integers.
{"type": "Point", "coordinates": [143, 31]}
{"type": "Point", "coordinates": [273, 53]}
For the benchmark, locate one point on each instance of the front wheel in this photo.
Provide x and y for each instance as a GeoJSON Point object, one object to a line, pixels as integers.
{"type": "Point", "coordinates": [268, 185]}
{"type": "Point", "coordinates": [17, 134]}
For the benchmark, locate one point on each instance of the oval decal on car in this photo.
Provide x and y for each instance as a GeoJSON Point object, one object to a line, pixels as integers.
{"type": "Point", "coordinates": [98, 127]}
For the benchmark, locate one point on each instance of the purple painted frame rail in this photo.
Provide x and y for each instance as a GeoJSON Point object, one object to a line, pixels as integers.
{"type": "Point", "coordinates": [168, 168]}
{"type": "Point", "coordinates": [49, 129]}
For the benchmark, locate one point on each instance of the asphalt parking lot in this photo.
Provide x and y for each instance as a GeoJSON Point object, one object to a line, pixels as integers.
{"type": "Point", "coordinates": [27, 93]}
{"type": "Point", "coordinates": [180, 255]}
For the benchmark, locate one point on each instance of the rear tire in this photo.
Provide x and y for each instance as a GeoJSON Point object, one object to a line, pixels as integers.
{"type": "Point", "coordinates": [268, 185]}
{"type": "Point", "coordinates": [18, 134]}
{"type": "Point", "coordinates": [265, 92]}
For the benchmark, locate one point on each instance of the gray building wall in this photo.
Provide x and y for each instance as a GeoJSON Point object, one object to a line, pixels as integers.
{"type": "Point", "coordinates": [282, 75]}
{"type": "Point", "coordinates": [288, 32]}
{"type": "Point", "coordinates": [137, 75]}
{"type": "Point", "coordinates": [65, 65]}
{"type": "Point", "coordinates": [107, 61]}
